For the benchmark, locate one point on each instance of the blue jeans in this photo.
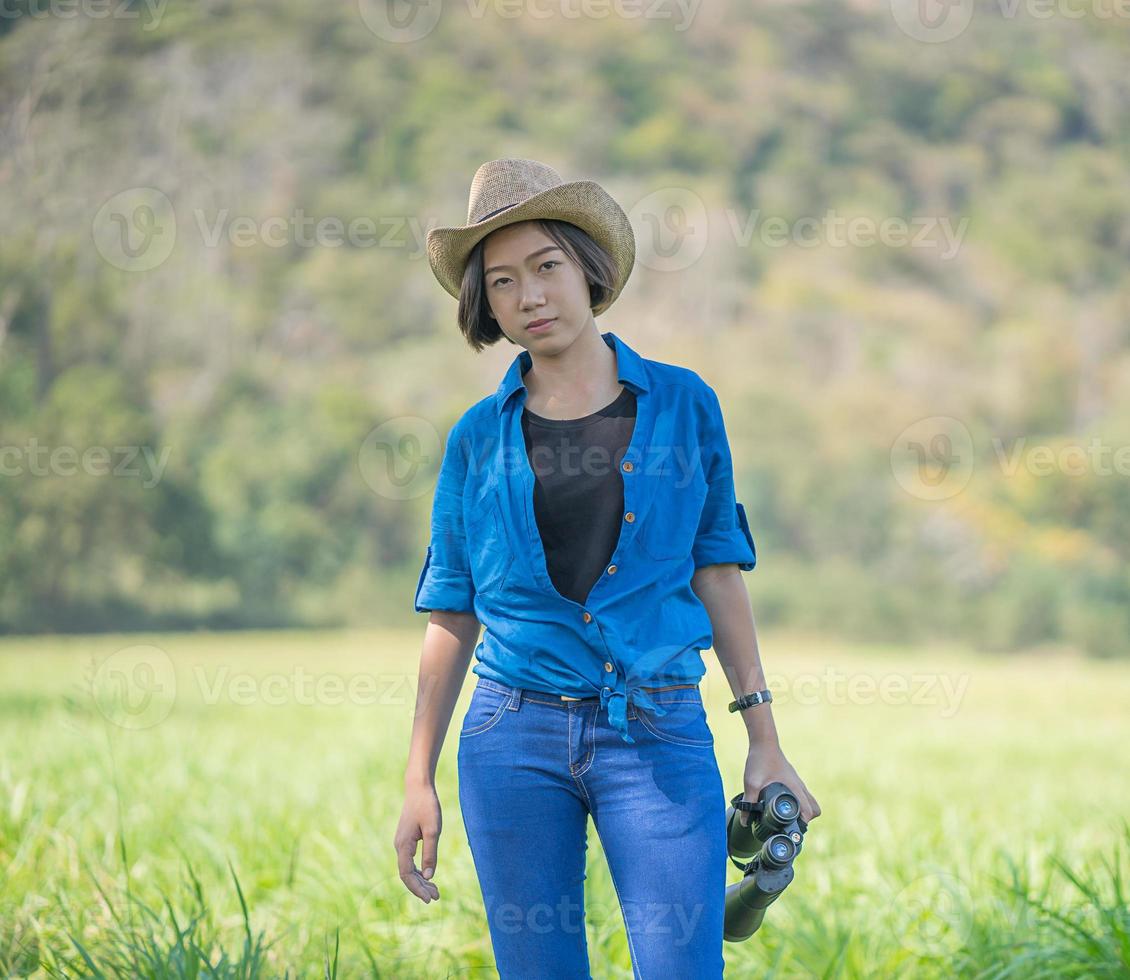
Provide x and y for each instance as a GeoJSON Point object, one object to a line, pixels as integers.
{"type": "Point", "coordinates": [532, 767]}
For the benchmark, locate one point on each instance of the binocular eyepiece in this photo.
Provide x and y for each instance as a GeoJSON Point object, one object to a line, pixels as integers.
{"type": "Point", "coordinates": [768, 844]}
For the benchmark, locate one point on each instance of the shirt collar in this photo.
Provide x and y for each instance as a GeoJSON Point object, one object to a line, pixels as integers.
{"type": "Point", "coordinates": [629, 366]}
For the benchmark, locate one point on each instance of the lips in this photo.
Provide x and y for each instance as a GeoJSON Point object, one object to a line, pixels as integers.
{"type": "Point", "coordinates": [540, 324]}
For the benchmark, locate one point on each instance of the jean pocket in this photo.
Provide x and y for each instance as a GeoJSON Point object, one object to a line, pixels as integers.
{"type": "Point", "coordinates": [486, 710]}
{"type": "Point", "coordinates": [683, 724]}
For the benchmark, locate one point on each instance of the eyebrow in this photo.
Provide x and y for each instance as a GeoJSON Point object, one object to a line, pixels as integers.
{"type": "Point", "coordinates": [548, 248]}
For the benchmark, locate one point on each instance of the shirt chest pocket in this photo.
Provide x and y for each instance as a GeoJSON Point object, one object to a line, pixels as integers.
{"type": "Point", "coordinates": [488, 547]}
{"type": "Point", "coordinates": [668, 531]}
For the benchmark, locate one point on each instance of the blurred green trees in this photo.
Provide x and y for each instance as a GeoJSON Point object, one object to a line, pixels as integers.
{"type": "Point", "coordinates": [304, 158]}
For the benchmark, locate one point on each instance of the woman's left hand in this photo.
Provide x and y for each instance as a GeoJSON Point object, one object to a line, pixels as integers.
{"type": "Point", "coordinates": [765, 766]}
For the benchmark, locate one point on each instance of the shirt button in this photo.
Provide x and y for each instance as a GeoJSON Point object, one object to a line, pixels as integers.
{"type": "Point", "coordinates": [629, 517]}
{"type": "Point", "coordinates": [587, 617]}
{"type": "Point", "coordinates": [628, 467]}
{"type": "Point", "coordinates": [608, 668]}
{"type": "Point", "coordinates": [611, 569]}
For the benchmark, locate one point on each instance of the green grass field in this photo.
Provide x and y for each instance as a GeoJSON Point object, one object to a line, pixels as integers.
{"type": "Point", "coordinates": [224, 805]}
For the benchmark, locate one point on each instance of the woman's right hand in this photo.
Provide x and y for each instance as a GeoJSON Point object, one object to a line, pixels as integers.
{"type": "Point", "coordinates": [420, 819]}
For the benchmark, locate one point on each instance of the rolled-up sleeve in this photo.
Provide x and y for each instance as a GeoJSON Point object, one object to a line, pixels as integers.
{"type": "Point", "coordinates": [445, 580]}
{"type": "Point", "coordinates": [723, 531]}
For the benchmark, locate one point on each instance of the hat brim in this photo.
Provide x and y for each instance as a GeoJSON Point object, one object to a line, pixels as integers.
{"type": "Point", "coordinates": [583, 203]}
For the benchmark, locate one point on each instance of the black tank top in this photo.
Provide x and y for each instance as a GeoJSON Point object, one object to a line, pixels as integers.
{"type": "Point", "coordinates": [578, 490]}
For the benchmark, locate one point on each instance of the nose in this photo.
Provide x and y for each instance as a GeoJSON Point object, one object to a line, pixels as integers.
{"type": "Point", "coordinates": [531, 295]}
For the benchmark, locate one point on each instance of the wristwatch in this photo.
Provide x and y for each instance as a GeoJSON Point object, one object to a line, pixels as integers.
{"type": "Point", "coordinates": [748, 700]}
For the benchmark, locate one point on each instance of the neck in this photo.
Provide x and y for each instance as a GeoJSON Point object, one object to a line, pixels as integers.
{"type": "Point", "coordinates": [573, 379]}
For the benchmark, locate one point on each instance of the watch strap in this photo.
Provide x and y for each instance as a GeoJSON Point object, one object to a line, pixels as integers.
{"type": "Point", "coordinates": [748, 700]}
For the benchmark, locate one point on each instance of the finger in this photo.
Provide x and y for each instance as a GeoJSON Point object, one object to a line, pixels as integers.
{"type": "Point", "coordinates": [405, 856]}
{"type": "Point", "coordinates": [744, 815]}
{"type": "Point", "coordinates": [431, 852]}
{"type": "Point", "coordinates": [752, 794]}
{"type": "Point", "coordinates": [406, 865]}
{"type": "Point", "coordinates": [428, 890]}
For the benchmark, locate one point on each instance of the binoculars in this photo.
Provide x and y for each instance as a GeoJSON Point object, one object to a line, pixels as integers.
{"type": "Point", "coordinates": [768, 844]}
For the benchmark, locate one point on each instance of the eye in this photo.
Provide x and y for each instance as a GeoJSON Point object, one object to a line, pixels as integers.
{"type": "Point", "coordinates": [501, 279]}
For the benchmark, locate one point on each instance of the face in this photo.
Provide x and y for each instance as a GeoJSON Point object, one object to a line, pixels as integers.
{"type": "Point", "coordinates": [528, 278]}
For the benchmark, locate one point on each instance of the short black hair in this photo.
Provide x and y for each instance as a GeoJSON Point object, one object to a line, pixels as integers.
{"type": "Point", "coordinates": [481, 330]}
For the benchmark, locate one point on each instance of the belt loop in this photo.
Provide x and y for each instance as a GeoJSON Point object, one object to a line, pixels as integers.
{"type": "Point", "coordinates": [516, 699]}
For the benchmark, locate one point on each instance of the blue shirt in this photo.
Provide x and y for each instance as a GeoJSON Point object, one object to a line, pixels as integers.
{"type": "Point", "coordinates": [641, 624]}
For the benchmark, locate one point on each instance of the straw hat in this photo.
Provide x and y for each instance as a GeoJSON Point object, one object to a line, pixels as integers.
{"type": "Point", "coordinates": [510, 190]}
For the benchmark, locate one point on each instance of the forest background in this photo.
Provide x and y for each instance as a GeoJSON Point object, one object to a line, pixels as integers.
{"type": "Point", "coordinates": [226, 371]}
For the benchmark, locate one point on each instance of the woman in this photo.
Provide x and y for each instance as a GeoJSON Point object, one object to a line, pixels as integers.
{"type": "Point", "coordinates": [585, 516]}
